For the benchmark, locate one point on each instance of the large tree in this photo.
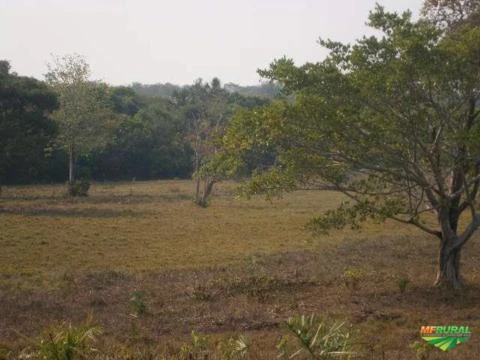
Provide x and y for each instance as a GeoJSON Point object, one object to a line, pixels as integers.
{"type": "Point", "coordinates": [26, 129]}
{"type": "Point", "coordinates": [392, 121]}
{"type": "Point", "coordinates": [84, 119]}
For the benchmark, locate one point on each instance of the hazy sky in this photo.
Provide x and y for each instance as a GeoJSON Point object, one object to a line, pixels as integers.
{"type": "Point", "coordinates": [178, 41]}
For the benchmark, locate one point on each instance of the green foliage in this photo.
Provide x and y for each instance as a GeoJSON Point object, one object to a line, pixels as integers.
{"type": "Point", "coordinates": [137, 301]}
{"type": "Point", "coordinates": [402, 284]}
{"type": "Point", "coordinates": [149, 145]}
{"type": "Point", "coordinates": [265, 90]}
{"type": "Point", "coordinates": [26, 130]}
{"type": "Point", "coordinates": [205, 111]}
{"type": "Point", "coordinates": [235, 348]}
{"type": "Point", "coordinates": [351, 124]}
{"type": "Point", "coordinates": [392, 121]}
{"type": "Point", "coordinates": [66, 342]}
{"type": "Point", "coordinates": [352, 278]}
{"type": "Point", "coordinates": [78, 188]}
{"type": "Point", "coordinates": [111, 132]}
{"type": "Point", "coordinates": [317, 338]}
{"type": "Point", "coordinates": [451, 14]}
{"type": "Point", "coordinates": [245, 96]}
{"type": "Point", "coordinates": [124, 100]}
{"type": "Point", "coordinates": [84, 118]}
{"type": "Point", "coordinates": [197, 349]}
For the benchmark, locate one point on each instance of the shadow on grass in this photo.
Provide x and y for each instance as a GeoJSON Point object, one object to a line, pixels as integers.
{"type": "Point", "coordinates": [58, 212]}
{"type": "Point", "coordinates": [430, 296]}
{"type": "Point", "coordinates": [103, 199]}
{"type": "Point", "coordinates": [136, 199]}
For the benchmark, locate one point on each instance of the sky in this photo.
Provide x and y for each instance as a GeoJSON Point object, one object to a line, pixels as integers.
{"type": "Point", "coordinates": [178, 41]}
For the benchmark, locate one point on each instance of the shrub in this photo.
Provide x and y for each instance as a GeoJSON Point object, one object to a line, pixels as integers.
{"type": "Point", "coordinates": [402, 284]}
{"type": "Point", "coordinates": [79, 188]}
{"type": "Point", "coordinates": [138, 303]}
{"type": "Point", "coordinates": [352, 277]}
{"type": "Point", "coordinates": [198, 349]}
{"type": "Point", "coordinates": [235, 348]}
{"type": "Point", "coordinates": [66, 342]}
{"type": "Point", "coordinates": [318, 339]}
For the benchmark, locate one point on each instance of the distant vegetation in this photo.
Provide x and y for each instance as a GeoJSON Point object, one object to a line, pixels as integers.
{"type": "Point", "coordinates": [265, 90]}
{"type": "Point", "coordinates": [91, 130]}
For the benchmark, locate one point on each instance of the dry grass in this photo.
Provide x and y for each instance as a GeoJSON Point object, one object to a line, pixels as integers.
{"type": "Point", "coordinates": [151, 226]}
{"type": "Point", "coordinates": [237, 266]}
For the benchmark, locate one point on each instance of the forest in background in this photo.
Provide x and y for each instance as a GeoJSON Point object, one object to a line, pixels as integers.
{"type": "Point", "coordinates": [150, 139]}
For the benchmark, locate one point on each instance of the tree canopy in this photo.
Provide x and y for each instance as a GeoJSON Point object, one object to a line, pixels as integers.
{"type": "Point", "coordinates": [26, 130]}
{"type": "Point", "coordinates": [84, 118]}
{"type": "Point", "coordinates": [392, 121]}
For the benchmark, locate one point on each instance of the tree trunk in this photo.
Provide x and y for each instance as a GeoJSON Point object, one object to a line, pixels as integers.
{"type": "Point", "coordinates": [71, 172]}
{"type": "Point", "coordinates": [197, 190]}
{"type": "Point", "coordinates": [206, 192]}
{"type": "Point", "coordinates": [449, 265]}
{"type": "Point", "coordinates": [71, 165]}
{"type": "Point", "coordinates": [197, 180]}
{"type": "Point", "coordinates": [202, 198]}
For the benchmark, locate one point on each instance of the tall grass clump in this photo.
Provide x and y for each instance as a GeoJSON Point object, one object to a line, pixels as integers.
{"type": "Point", "coordinates": [65, 342]}
{"type": "Point", "coordinates": [315, 338]}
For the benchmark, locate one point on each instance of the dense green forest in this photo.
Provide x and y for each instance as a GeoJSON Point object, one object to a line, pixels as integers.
{"type": "Point", "coordinates": [123, 132]}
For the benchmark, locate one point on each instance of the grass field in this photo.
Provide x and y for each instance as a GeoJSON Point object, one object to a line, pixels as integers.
{"type": "Point", "coordinates": [236, 267]}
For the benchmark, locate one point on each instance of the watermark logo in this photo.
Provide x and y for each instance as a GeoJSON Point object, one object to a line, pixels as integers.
{"type": "Point", "coordinates": [445, 337]}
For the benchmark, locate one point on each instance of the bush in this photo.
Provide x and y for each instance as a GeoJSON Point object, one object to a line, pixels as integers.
{"type": "Point", "coordinates": [66, 342]}
{"type": "Point", "coordinates": [352, 278]}
{"type": "Point", "coordinates": [317, 339]}
{"type": "Point", "coordinates": [235, 348]}
{"type": "Point", "coordinates": [137, 301]}
{"type": "Point", "coordinates": [402, 284]}
{"type": "Point", "coordinates": [79, 188]}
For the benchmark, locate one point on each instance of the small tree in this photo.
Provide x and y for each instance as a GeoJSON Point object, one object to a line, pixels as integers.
{"type": "Point", "coordinates": [393, 122]}
{"type": "Point", "coordinates": [83, 117]}
{"type": "Point", "coordinates": [206, 110]}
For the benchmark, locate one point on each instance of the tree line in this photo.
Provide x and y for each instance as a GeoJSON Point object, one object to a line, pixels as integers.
{"type": "Point", "coordinates": [70, 127]}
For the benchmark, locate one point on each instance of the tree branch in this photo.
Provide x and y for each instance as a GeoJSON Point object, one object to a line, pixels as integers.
{"type": "Point", "coordinates": [414, 222]}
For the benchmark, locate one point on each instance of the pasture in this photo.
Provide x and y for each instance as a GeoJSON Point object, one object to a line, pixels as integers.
{"type": "Point", "coordinates": [149, 267]}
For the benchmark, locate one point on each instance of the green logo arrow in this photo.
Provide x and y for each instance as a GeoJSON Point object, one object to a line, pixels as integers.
{"type": "Point", "coordinates": [445, 337]}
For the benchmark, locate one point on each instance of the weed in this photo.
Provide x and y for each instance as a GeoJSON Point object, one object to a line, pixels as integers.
{"type": "Point", "coordinates": [138, 303]}
{"type": "Point", "coordinates": [421, 349]}
{"type": "Point", "coordinates": [318, 339]}
{"type": "Point", "coordinates": [201, 292]}
{"type": "Point", "coordinates": [402, 284]}
{"type": "Point", "coordinates": [352, 278]}
{"type": "Point", "coordinates": [65, 342]}
{"type": "Point", "coordinates": [235, 348]}
{"type": "Point", "coordinates": [197, 349]}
